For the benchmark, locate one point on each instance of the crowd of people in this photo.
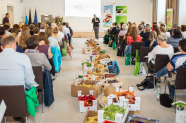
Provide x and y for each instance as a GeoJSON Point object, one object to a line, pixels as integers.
{"type": "Point", "coordinates": [24, 46]}
{"type": "Point", "coordinates": [156, 36]}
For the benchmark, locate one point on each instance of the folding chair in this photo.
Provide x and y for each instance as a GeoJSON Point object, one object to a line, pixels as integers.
{"type": "Point", "coordinates": [135, 46]}
{"type": "Point", "coordinates": [15, 100]}
{"type": "Point", "coordinates": [160, 62]}
{"type": "Point", "coordinates": [39, 79]}
{"type": "Point", "coordinates": [144, 52]}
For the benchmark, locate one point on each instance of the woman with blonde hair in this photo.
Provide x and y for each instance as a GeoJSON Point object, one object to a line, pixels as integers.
{"type": "Point", "coordinates": [52, 40]}
{"type": "Point", "coordinates": [151, 42]}
{"type": "Point", "coordinates": [25, 34]}
{"type": "Point", "coordinates": [56, 35]}
{"type": "Point", "coordinates": [133, 36]}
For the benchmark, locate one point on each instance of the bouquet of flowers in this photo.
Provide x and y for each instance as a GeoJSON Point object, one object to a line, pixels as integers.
{"type": "Point", "coordinates": [58, 20]}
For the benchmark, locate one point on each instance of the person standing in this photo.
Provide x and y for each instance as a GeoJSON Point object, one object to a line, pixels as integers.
{"type": "Point", "coordinates": [95, 22]}
{"type": "Point", "coordinates": [6, 19]}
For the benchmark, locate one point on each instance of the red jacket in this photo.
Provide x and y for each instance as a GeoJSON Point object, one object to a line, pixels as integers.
{"type": "Point", "coordinates": [129, 39]}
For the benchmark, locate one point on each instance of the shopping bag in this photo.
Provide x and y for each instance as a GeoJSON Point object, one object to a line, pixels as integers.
{"type": "Point", "coordinates": [127, 59]}
{"type": "Point", "coordinates": [137, 64]}
{"type": "Point", "coordinates": [114, 45]}
{"type": "Point", "coordinates": [64, 50]}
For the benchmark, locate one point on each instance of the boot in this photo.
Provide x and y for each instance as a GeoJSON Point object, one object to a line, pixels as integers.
{"type": "Point", "coordinates": [71, 46]}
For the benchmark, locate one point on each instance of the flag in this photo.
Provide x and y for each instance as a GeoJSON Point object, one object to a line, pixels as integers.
{"type": "Point", "coordinates": [30, 17]}
{"type": "Point", "coordinates": [35, 17]}
{"type": "Point", "coordinates": [26, 20]}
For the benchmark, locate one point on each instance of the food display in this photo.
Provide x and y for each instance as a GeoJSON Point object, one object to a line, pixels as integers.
{"type": "Point", "coordinates": [89, 86]}
{"type": "Point", "coordinates": [110, 76]}
{"type": "Point", "coordinates": [87, 63]}
{"type": "Point", "coordinates": [102, 101]}
{"type": "Point", "coordinates": [80, 76]}
{"type": "Point", "coordinates": [92, 119]}
{"type": "Point", "coordinates": [87, 99]}
{"type": "Point", "coordinates": [111, 81]}
{"type": "Point", "coordinates": [135, 121]}
{"type": "Point", "coordinates": [128, 95]}
{"type": "Point", "coordinates": [111, 110]}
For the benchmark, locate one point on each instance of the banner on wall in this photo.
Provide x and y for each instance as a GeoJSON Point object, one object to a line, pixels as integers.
{"type": "Point", "coordinates": [121, 14]}
{"type": "Point", "coordinates": [169, 18]}
{"type": "Point", "coordinates": [108, 15]}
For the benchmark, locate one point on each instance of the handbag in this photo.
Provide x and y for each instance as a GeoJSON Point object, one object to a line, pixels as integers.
{"type": "Point", "coordinates": [119, 52]}
{"type": "Point", "coordinates": [114, 45]}
{"type": "Point", "coordinates": [127, 59]}
{"type": "Point", "coordinates": [148, 83]}
{"type": "Point", "coordinates": [166, 100]}
{"type": "Point", "coordinates": [64, 50]}
{"type": "Point", "coordinates": [137, 64]}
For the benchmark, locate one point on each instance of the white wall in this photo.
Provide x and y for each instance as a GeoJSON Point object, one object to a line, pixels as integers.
{"type": "Point", "coordinates": [17, 9]}
{"type": "Point", "coordinates": [182, 12]}
{"type": "Point", "coordinates": [137, 10]}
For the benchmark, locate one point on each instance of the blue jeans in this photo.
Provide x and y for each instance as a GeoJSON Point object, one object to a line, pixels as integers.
{"type": "Point", "coordinates": [161, 72]}
{"type": "Point", "coordinates": [171, 90]}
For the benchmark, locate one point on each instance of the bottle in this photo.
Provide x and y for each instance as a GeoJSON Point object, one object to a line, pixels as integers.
{"type": "Point", "coordinates": [158, 93]}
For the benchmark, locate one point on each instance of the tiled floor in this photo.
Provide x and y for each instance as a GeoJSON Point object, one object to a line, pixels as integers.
{"type": "Point", "coordinates": [65, 108]}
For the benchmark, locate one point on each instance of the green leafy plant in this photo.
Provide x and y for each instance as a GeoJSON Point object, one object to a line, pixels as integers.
{"type": "Point", "coordinates": [111, 110]}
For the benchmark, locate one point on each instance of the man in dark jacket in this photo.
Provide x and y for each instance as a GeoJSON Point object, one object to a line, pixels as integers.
{"type": "Point", "coordinates": [6, 19]}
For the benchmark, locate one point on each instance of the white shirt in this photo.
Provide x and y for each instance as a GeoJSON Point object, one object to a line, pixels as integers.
{"type": "Point", "coordinates": [42, 30]}
{"type": "Point", "coordinates": [16, 69]}
{"type": "Point", "coordinates": [184, 34]}
{"type": "Point", "coordinates": [168, 34]}
{"type": "Point", "coordinates": [8, 33]}
{"type": "Point", "coordinates": [159, 50]}
{"type": "Point", "coordinates": [60, 36]}
{"type": "Point", "coordinates": [53, 42]}
{"type": "Point", "coordinates": [66, 30]}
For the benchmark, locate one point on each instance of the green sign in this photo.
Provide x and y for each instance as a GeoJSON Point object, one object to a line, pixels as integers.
{"type": "Point", "coordinates": [121, 14]}
{"type": "Point", "coordinates": [169, 18]}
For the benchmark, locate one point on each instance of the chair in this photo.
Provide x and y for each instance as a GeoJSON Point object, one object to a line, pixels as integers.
{"type": "Point", "coordinates": [160, 62]}
{"type": "Point", "coordinates": [180, 82]}
{"type": "Point", "coordinates": [39, 79]}
{"type": "Point", "coordinates": [15, 100]}
{"type": "Point", "coordinates": [144, 52]}
{"type": "Point", "coordinates": [135, 46]}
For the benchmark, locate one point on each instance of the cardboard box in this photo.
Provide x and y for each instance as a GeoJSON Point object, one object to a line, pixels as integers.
{"type": "Point", "coordinates": [141, 119]}
{"type": "Point", "coordinates": [90, 114]}
{"type": "Point", "coordinates": [180, 116]}
{"type": "Point", "coordinates": [83, 108]}
{"type": "Point", "coordinates": [132, 107]}
{"type": "Point", "coordinates": [110, 75]}
{"type": "Point", "coordinates": [112, 88]}
{"type": "Point", "coordinates": [85, 90]}
{"type": "Point", "coordinates": [119, 118]}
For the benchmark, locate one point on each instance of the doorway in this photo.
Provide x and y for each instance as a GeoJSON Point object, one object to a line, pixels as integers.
{"type": "Point", "coordinates": [10, 10]}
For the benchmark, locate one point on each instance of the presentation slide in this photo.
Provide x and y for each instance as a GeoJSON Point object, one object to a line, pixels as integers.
{"type": "Point", "coordinates": [82, 8]}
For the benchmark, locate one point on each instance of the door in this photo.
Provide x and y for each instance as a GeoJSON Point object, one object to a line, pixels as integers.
{"type": "Point", "coordinates": [10, 10]}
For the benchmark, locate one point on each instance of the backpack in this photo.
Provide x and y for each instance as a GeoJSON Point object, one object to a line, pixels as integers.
{"type": "Point", "coordinates": [148, 83]}
{"type": "Point", "coordinates": [71, 31]}
{"type": "Point", "coordinates": [113, 67]}
{"type": "Point", "coordinates": [120, 52]}
{"type": "Point", "coordinates": [106, 39]}
{"type": "Point", "coordinates": [166, 100]}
